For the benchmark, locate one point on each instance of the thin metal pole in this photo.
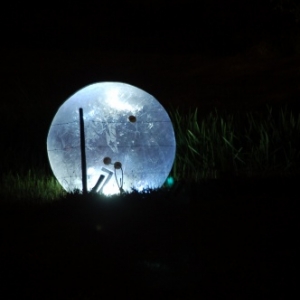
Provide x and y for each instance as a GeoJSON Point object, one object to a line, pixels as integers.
{"type": "Point", "coordinates": [83, 156]}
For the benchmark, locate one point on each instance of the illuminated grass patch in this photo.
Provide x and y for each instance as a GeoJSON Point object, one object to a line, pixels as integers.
{"type": "Point", "coordinates": [248, 144]}
{"type": "Point", "coordinates": [34, 185]}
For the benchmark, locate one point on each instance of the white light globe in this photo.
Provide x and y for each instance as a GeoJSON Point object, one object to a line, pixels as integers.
{"type": "Point", "coordinates": [129, 139]}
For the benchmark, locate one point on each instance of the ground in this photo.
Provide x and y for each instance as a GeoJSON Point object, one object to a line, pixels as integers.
{"type": "Point", "coordinates": [213, 238]}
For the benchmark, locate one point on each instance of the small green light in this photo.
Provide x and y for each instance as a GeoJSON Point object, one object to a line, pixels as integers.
{"type": "Point", "coordinates": [169, 181]}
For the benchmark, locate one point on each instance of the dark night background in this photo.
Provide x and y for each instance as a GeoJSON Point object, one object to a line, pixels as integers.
{"type": "Point", "coordinates": [231, 55]}
{"type": "Point", "coordinates": [152, 26]}
{"type": "Point", "coordinates": [206, 53]}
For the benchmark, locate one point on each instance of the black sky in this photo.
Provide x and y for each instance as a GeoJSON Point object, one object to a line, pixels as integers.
{"type": "Point", "coordinates": [149, 26]}
{"type": "Point", "coordinates": [169, 48]}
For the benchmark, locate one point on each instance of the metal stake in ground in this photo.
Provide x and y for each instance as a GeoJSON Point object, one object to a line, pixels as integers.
{"type": "Point", "coordinates": [83, 156]}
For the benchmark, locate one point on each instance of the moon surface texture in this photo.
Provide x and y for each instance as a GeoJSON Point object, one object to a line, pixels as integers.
{"type": "Point", "coordinates": [129, 140]}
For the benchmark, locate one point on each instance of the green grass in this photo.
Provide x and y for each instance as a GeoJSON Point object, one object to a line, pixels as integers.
{"type": "Point", "coordinates": [34, 185]}
{"type": "Point", "coordinates": [217, 145]}
{"type": "Point", "coordinates": [241, 144]}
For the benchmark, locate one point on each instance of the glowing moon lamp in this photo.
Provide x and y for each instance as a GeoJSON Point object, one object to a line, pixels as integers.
{"type": "Point", "coordinates": [129, 140]}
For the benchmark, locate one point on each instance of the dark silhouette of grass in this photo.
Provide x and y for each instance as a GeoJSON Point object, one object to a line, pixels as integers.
{"type": "Point", "coordinates": [216, 237]}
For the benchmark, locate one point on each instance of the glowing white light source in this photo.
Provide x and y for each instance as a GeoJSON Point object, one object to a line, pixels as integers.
{"type": "Point", "coordinates": [128, 135]}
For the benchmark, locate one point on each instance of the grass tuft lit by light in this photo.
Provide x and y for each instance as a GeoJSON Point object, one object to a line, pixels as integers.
{"type": "Point", "coordinates": [32, 185]}
{"type": "Point", "coordinates": [249, 144]}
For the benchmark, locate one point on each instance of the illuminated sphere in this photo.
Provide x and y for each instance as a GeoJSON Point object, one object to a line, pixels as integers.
{"type": "Point", "coordinates": [129, 138]}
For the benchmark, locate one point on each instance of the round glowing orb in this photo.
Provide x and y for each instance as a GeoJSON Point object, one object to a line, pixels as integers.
{"type": "Point", "coordinates": [129, 140]}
